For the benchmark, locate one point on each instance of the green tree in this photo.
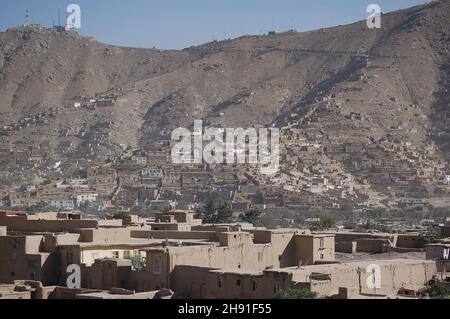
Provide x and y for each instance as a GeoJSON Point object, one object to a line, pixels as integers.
{"type": "Point", "coordinates": [216, 211]}
{"type": "Point", "coordinates": [268, 221]}
{"type": "Point", "coordinates": [296, 294]}
{"type": "Point", "coordinates": [378, 213]}
{"type": "Point", "coordinates": [84, 206]}
{"type": "Point", "coordinates": [347, 206]}
{"type": "Point", "coordinates": [137, 262]}
{"type": "Point", "coordinates": [326, 221]}
{"type": "Point", "coordinates": [124, 216]}
{"type": "Point", "coordinates": [41, 208]}
{"type": "Point", "coordinates": [432, 236]}
{"type": "Point", "coordinates": [251, 216]}
{"type": "Point", "coordinates": [378, 227]}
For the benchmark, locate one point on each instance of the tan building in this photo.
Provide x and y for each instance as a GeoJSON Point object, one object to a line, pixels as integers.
{"type": "Point", "coordinates": [177, 252]}
{"type": "Point", "coordinates": [352, 242]}
{"type": "Point", "coordinates": [107, 274]}
{"type": "Point", "coordinates": [350, 280]}
{"type": "Point", "coordinates": [27, 289]}
{"type": "Point", "coordinates": [233, 284]}
{"type": "Point", "coordinates": [445, 231]}
{"type": "Point", "coordinates": [27, 258]}
{"type": "Point", "coordinates": [315, 249]}
{"type": "Point", "coordinates": [234, 250]}
{"type": "Point", "coordinates": [49, 222]}
{"type": "Point", "coordinates": [410, 240]}
{"type": "Point", "coordinates": [121, 294]}
{"type": "Point", "coordinates": [95, 246]}
{"type": "Point", "coordinates": [13, 291]}
{"type": "Point", "coordinates": [102, 179]}
{"type": "Point", "coordinates": [438, 251]}
{"type": "Point", "coordinates": [177, 220]}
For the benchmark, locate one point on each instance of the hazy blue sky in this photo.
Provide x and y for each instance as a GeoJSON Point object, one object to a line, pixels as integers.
{"type": "Point", "coordinates": [175, 24]}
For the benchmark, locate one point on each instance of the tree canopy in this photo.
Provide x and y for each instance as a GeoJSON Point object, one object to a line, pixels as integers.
{"type": "Point", "coordinates": [216, 211]}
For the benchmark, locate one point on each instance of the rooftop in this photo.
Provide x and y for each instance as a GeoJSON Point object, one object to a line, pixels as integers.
{"type": "Point", "coordinates": [237, 272]}
{"type": "Point", "coordinates": [328, 268]}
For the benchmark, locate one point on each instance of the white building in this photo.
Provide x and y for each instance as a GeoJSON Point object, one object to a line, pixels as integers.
{"type": "Point", "coordinates": [152, 173]}
{"type": "Point", "coordinates": [60, 203]}
{"type": "Point", "coordinates": [86, 198]}
{"type": "Point", "coordinates": [137, 159]}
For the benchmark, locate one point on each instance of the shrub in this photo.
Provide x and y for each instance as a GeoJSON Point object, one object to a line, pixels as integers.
{"type": "Point", "coordinates": [437, 290]}
{"type": "Point", "coordinates": [296, 294]}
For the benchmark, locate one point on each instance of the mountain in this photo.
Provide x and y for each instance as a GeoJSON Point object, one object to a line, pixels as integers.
{"type": "Point", "coordinates": [376, 100]}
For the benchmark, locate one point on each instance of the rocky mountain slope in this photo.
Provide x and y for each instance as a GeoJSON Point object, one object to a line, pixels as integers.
{"type": "Point", "coordinates": [346, 86]}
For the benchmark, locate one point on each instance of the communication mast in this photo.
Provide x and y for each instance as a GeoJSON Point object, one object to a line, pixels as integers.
{"type": "Point", "coordinates": [27, 18]}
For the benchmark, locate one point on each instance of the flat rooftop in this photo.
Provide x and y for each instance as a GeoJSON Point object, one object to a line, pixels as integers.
{"type": "Point", "coordinates": [237, 272]}
{"type": "Point", "coordinates": [328, 268]}
{"type": "Point", "coordinates": [108, 295]}
{"type": "Point", "coordinates": [346, 258]}
{"type": "Point", "coordinates": [133, 242]}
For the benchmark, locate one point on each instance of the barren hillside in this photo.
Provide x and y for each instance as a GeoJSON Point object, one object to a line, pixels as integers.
{"type": "Point", "coordinates": [342, 86]}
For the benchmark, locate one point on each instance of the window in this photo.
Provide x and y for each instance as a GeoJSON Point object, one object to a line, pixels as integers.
{"type": "Point", "coordinates": [238, 282]}
{"type": "Point", "coordinates": [69, 257]}
{"type": "Point", "coordinates": [322, 257]}
{"type": "Point", "coordinates": [276, 289]}
{"type": "Point", "coordinates": [126, 254]}
{"type": "Point", "coordinates": [115, 254]}
{"type": "Point", "coordinates": [32, 264]}
{"type": "Point", "coordinates": [260, 256]}
{"type": "Point", "coordinates": [322, 243]}
{"type": "Point", "coordinates": [220, 283]}
{"type": "Point", "coordinates": [137, 253]}
{"type": "Point", "coordinates": [157, 265]}
{"type": "Point", "coordinates": [13, 256]}
{"type": "Point", "coordinates": [255, 286]}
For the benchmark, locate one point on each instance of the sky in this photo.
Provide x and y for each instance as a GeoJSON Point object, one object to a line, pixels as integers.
{"type": "Point", "coordinates": [177, 24]}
